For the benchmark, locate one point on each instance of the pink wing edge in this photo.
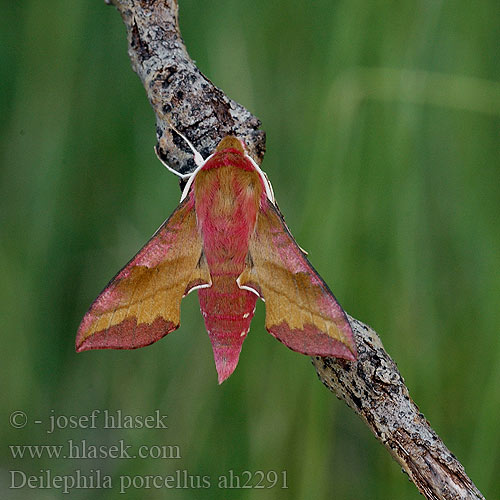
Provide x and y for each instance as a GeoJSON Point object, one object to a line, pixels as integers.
{"type": "Point", "coordinates": [128, 334]}
{"type": "Point", "coordinates": [310, 340]}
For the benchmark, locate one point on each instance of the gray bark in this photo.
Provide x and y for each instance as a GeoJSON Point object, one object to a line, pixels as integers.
{"type": "Point", "coordinates": [376, 391]}
{"type": "Point", "coordinates": [179, 93]}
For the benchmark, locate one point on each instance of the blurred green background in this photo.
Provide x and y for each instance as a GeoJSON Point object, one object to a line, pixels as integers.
{"type": "Point", "coordinates": [382, 121]}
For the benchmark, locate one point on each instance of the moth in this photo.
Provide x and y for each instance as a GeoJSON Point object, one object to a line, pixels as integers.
{"type": "Point", "coordinates": [228, 240]}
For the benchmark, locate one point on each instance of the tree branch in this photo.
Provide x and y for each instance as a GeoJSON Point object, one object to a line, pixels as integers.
{"type": "Point", "coordinates": [376, 391]}
{"type": "Point", "coordinates": [373, 387]}
{"type": "Point", "coordinates": [179, 93]}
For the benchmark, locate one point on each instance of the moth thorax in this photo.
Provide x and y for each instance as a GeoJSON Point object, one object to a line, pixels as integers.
{"type": "Point", "coordinates": [231, 142]}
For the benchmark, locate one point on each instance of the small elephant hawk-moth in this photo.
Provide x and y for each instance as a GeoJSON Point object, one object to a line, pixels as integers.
{"type": "Point", "coordinates": [228, 240]}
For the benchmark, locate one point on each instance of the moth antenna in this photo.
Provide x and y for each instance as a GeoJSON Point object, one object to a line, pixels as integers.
{"type": "Point", "coordinates": [198, 159]}
{"type": "Point", "coordinates": [267, 183]}
{"type": "Point", "coordinates": [168, 167]}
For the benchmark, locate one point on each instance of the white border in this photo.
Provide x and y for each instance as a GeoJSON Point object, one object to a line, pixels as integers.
{"type": "Point", "coordinates": [267, 183]}
{"type": "Point", "coordinates": [187, 187]}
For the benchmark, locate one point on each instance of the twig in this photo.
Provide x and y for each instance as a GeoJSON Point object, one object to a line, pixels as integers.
{"type": "Point", "coordinates": [373, 387]}
{"type": "Point", "coordinates": [179, 93]}
{"type": "Point", "coordinates": [376, 391]}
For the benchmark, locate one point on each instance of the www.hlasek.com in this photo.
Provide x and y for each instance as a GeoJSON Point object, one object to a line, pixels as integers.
{"type": "Point", "coordinates": [179, 479]}
{"type": "Point", "coordinates": [82, 449]}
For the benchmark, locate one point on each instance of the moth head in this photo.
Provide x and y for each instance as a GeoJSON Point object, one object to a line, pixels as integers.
{"type": "Point", "coordinates": [231, 142]}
